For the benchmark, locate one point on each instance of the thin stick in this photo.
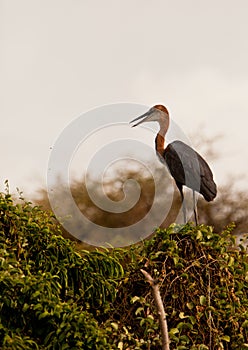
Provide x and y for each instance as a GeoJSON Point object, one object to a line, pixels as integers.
{"type": "Point", "coordinates": [160, 307]}
{"type": "Point", "coordinates": [209, 312]}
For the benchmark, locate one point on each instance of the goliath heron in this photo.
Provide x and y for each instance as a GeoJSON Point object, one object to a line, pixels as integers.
{"type": "Point", "coordinates": [186, 166]}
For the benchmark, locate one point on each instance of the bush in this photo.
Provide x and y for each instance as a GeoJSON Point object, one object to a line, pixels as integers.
{"type": "Point", "coordinates": [49, 293]}
{"type": "Point", "coordinates": [53, 296]}
{"type": "Point", "coordinates": [204, 283]}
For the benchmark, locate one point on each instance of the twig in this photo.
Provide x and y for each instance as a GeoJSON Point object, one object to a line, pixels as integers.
{"type": "Point", "coordinates": [186, 269]}
{"type": "Point", "coordinates": [209, 313]}
{"type": "Point", "coordinates": [160, 307]}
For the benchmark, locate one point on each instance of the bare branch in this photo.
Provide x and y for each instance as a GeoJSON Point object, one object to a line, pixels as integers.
{"type": "Point", "coordinates": [160, 307]}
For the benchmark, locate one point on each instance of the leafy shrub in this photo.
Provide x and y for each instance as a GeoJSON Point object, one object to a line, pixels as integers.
{"type": "Point", "coordinates": [49, 293]}
{"type": "Point", "coordinates": [53, 296]}
{"type": "Point", "coordinates": [204, 283]}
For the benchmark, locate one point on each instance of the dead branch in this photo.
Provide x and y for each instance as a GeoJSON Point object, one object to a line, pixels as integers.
{"type": "Point", "coordinates": [160, 308]}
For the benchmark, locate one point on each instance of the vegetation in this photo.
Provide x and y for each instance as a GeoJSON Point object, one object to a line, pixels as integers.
{"type": "Point", "coordinates": [50, 295]}
{"type": "Point", "coordinates": [231, 204]}
{"type": "Point", "coordinates": [53, 296]}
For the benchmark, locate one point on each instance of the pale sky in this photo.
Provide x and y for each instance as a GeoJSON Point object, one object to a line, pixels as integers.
{"type": "Point", "coordinates": [61, 58]}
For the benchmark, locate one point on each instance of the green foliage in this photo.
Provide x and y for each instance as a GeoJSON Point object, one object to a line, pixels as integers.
{"type": "Point", "coordinates": [204, 284]}
{"type": "Point", "coordinates": [49, 293]}
{"type": "Point", "coordinates": [53, 296]}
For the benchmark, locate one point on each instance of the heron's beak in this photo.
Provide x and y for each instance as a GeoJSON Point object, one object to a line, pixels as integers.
{"type": "Point", "coordinates": [143, 118]}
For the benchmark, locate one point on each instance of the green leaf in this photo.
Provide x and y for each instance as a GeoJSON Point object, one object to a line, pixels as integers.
{"type": "Point", "coordinates": [203, 300]}
{"type": "Point", "coordinates": [139, 310]}
{"type": "Point", "coordinates": [245, 324]}
{"type": "Point", "coordinates": [192, 319]}
{"type": "Point", "coordinates": [199, 235]}
{"type": "Point", "coordinates": [134, 299]}
{"type": "Point", "coordinates": [35, 294]}
{"type": "Point", "coordinates": [174, 331]}
{"type": "Point", "coordinates": [231, 261]}
{"type": "Point", "coordinates": [190, 305]}
{"type": "Point", "coordinates": [176, 259]}
{"type": "Point", "coordinates": [43, 315]}
{"type": "Point", "coordinates": [226, 338]}
{"type": "Point", "coordinates": [120, 345]}
{"type": "Point", "coordinates": [114, 325]}
{"type": "Point", "coordinates": [25, 307]}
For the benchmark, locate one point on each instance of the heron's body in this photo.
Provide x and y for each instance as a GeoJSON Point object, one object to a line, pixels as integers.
{"type": "Point", "coordinates": [189, 169]}
{"type": "Point", "coordinates": [186, 166]}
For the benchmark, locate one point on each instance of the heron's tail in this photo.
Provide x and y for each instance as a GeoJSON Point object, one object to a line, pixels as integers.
{"type": "Point", "coordinates": [208, 189]}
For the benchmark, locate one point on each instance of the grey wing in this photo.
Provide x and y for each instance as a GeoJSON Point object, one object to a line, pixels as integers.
{"type": "Point", "coordinates": [188, 168]}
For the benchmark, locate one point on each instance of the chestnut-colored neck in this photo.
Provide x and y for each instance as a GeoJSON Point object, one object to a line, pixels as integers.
{"type": "Point", "coordinates": [160, 138]}
{"type": "Point", "coordinates": [159, 142]}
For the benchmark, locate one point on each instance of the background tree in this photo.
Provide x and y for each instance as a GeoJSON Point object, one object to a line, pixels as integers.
{"type": "Point", "coordinates": [231, 204]}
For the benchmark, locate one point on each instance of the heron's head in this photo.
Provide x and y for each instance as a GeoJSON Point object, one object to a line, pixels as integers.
{"type": "Point", "coordinates": [158, 113]}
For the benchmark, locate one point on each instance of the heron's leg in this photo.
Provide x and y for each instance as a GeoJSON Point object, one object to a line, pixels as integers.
{"type": "Point", "coordinates": [180, 187]}
{"type": "Point", "coordinates": [184, 209]}
{"type": "Point", "coordinates": [195, 208]}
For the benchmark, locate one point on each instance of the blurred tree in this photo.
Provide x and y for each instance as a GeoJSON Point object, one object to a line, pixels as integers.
{"type": "Point", "coordinates": [231, 205]}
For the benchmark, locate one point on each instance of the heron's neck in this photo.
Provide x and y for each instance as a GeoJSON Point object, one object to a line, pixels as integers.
{"type": "Point", "coordinates": [160, 144]}
{"type": "Point", "coordinates": [160, 139]}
